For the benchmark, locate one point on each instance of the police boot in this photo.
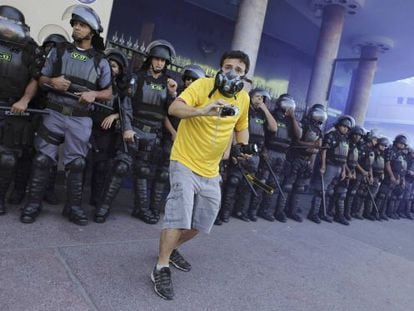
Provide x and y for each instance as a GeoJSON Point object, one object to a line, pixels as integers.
{"type": "Point", "coordinates": [21, 177]}
{"type": "Point", "coordinates": [325, 215]}
{"type": "Point", "coordinates": [368, 211]}
{"type": "Point", "coordinates": [243, 204]}
{"type": "Point", "coordinates": [37, 187]}
{"type": "Point", "coordinates": [330, 206]}
{"type": "Point", "coordinates": [141, 206]}
{"type": "Point", "coordinates": [313, 214]}
{"type": "Point", "coordinates": [348, 208]}
{"type": "Point", "coordinates": [380, 200]}
{"type": "Point", "coordinates": [391, 208]}
{"type": "Point", "coordinates": [7, 164]}
{"type": "Point", "coordinates": [97, 182]}
{"type": "Point", "coordinates": [280, 214]}
{"type": "Point", "coordinates": [293, 208]}
{"type": "Point", "coordinates": [74, 187]}
{"type": "Point", "coordinates": [50, 194]}
{"type": "Point", "coordinates": [111, 189]}
{"type": "Point", "coordinates": [267, 210]}
{"type": "Point", "coordinates": [227, 203]}
{"type": "Point", "coordinates": [339, 213]}
{"type": "Point", "coordinates": [254, 205]}
{"type": "Point", "coordinates": [157, 200]}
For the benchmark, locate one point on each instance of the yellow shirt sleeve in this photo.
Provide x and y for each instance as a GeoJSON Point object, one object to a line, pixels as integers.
{"type": "Point", "coordinates": [243, 121]}
{"type": "Point", "coordinates": [191, 95]}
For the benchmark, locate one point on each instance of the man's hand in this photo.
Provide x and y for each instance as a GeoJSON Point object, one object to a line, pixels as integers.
{"type": "Point", "coordinates": [129, 136]}
{"type": "Point", "coordinates": [18, 107]}
{"type": "Point", "coordinates": [172, 87]}
{"type": "Point", "coordinates": [262, 106]}
{"type": "Point", "coordinates": [343, 174]}
{"type": "Point", "coordinates": [86, 97]}
{"type": "Point", "coordinates": [107, 122]}
{"type": "Point", "coordinates": [322, 170]}
{"type": "Point", "coordinates": [213, 108]}
{"type": "Point", "coordinates": [60, 83]}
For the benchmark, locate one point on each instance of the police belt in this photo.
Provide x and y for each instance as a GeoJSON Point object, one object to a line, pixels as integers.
{"type": "Point", "coordinates": [68, 111]}
{"type": "Point", "coordinates": [145, 128]}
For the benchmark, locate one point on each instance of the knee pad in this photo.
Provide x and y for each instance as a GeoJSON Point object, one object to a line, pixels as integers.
{"type": "Point", "coordinates": [163, 176]}
{"type": "Point", "coordinates": [330, 192]}
{"type": "Point", "coordinates": [42, 161]}
{"type": "Point", "coordinates": [233, 181]}
{"type": "Point", "coordinates": [7, 160]}
{"type": "Point", "coordinates": [143, 171]}
{"type": "Point", "coordinates": [382, 196]}
{"type": "Point", "coordinates": [287, 188]}
{"type": "Point", "coordinates": [76, 165]}
{"type": "Point", "coordinates": [121, 168]}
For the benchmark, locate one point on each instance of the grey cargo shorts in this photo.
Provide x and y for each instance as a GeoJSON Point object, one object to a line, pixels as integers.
{"type": "Point", "coordinates": [193, 201]}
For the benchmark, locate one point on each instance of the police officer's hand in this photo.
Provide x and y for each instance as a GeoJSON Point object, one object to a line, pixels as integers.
{"type": "Point", "coordinates": [172, 87]}
{"type": "Point", "coordinates": [18, 107]}
{"type": "Point", "coordinates": [343, 174]}
{"type": "Point", "coordinates": [213, 108]}
{"type": "Point", "coordinates": [60, 83]}
{"type": "Point", "coordinates": [262, 106]}
{"type": "Point", "coordinates": [393, 180]}
{"type": "Point", "coordinates": [109, 120]}
{"type": "Point", "coordinates": [129, 135]}
{"type": "Point", "coordinates": [86, 97]}
{"type": "Point", "coordinates": [290, 113]}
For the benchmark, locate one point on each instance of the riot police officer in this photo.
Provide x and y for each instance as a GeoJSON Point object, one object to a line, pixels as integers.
{"type": "Point", "coordinates": [18, 74]}
{"type": "Point", "coordinates": [302, 156]}
{"type": "Point", "coordinates": [391, 189]}
{"type": "Point", "coordinates": [277, 144]}
{"type": "Point", "coordinates": [22, 173]}
{"type": "Point", "coordinates": [78, 69]}
{"type": "Point", "coordinates": [396, 167]}
{"type": "Point", "coordinates": [260, 119]}
{"type": "Point", "coordinates": [358, 200]}
{"type": "Point", "coordinates": [147, 115]}
{"type": "Point", "coordinates": [332, 169]}
{"type": "Point", "coordinates": [104, 132]}
{"type": "Point", "coordinates": [408, 197]}
{"type": "Point", "coordinates": [355, 175]}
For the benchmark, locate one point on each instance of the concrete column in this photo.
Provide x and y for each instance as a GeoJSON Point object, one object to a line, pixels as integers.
{"type": "Point", "coordinates": [248, 30]}
{"type": "Point", "coordinates": [328, 44]}
{"type": "Point", "coordinates": [358, 98]}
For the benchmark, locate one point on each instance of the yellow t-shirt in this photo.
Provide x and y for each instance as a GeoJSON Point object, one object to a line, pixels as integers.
{"type": "Point", "coordinates": [201, 141]}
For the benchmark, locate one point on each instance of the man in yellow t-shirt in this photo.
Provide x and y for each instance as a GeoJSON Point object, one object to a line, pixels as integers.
{"type": "Point", "coordinates": [211, 110]}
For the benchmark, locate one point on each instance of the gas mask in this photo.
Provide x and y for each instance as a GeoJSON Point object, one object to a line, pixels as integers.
{"type": "Point", "coordinates": [229, 83]}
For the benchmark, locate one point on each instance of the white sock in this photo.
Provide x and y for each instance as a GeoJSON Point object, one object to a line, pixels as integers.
{"type": "Point", "coordinates": [159, 267]}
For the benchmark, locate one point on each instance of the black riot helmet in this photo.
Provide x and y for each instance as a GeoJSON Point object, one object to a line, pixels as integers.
{"type": "Point", "coordinates": [84, 14]}
{"type": "Point", "coordinates": [119, 57]}
{"type": "Point", "coordinates": [11, 13]}
{"type": "Point", "coordinates": [317, 113]}
{"type": "Point", "coordinates": [161, 49]}
{"type": "Point", "coordinates": [357, 130]}
{"type": "Point", "coordinates": [285, 102]}
{"type": "Point", "coordinates": [13, 28]}
{"type": "Point", "coordinates": [372, 135]}
{"type": "Point", "coordinates": [346, 121]}
{"type": "Point", "coordinates": [383, 141]}
{"type": "Point", "coordinates": [193, 71]}
{"type": "Point", "coordinates": [400, 139]}
{"type": "Point", "coordinates": [54, 38]}
{"type": "Point", "coordinates": [262, 92]}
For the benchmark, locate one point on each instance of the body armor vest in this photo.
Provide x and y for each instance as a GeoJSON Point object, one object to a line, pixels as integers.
{"type": "Point", "coordinates": [150, 100]}
{"type": "Point", "coordinates": [281, 140]}
{"type": "Point", "coordinates": [398, 162]}
{"type": "Point", "coordinates": [338, 153]}
{"type": "Point", "coordinates": [311, 133]}
{"type": "Point", "coordinates": [378, 166]}
{"type": "Point", "coordinates": [366, 158]}
{"type": "Point", "coordinates": [353, 154]}
{"type": "Point", "coordinates": [80, 67]}
{"type": "Point", "coordinates": [14, 73]}
{"type": "Point", "coordinates": [257, 122]}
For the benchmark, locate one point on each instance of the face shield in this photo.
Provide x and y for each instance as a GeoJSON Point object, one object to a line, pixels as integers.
{"type": "Point", "coordinates": [13, 31]}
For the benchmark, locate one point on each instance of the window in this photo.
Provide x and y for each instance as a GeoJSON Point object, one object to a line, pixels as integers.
{"type": "Point", "coordinates": [410, 100]}
{"type": "Point", "coordinates": [400, 100]}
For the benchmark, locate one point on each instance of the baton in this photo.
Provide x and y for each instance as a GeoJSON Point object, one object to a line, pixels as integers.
{"type": "Point", "coordinates": [25, 113]}
{"type": "Point", "coordinates": [323, 195]}
{"type": "Point", "coordinates": [274, 177]}
{"type": "Point", "coordinates": [371, 196]}
{"type": "Point", "coordinates": [50, 88]}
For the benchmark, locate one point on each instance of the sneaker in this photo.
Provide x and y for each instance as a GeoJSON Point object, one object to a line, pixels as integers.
{"type": "Point", "coordinates": [178, 261]}
{"type": "Point", "coordinates": [162, 283]}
